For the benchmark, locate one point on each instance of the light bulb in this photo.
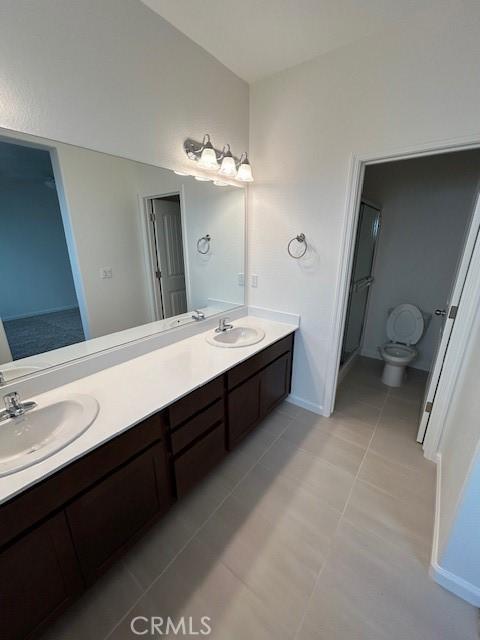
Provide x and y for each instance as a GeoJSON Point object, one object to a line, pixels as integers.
{"type": "Point", "coordinates": [208, 157]}
{"type": "Point", "coordinates": [220, 183]}
{"type": "Point", "coordinates": [244, 173]}
{"type": "Point", "coordinates": [202, 178]}
{"type": "Point", "coordinates": [181, 173]}
{"type": "Point", "coordinates": [228, 167]}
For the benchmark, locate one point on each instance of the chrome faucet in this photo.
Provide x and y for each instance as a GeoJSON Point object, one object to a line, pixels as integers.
{"type": "Point", "coordinates": [14, 408]}
{"type": "Point", "coordinates": [198, 315]}
{"type": "Point", "coordinates": [224, 324]}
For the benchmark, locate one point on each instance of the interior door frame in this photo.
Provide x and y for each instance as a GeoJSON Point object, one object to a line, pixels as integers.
{"type": "Point", "coordinates": [463, 325]}
{"type": "Point", "coordinates": [150, 252]}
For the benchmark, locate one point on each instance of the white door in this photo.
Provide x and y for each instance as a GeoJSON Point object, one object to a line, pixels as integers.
{"type": "Point", "coordinates": [448, 315]}
{"type": "Point", "coordinates": [167, 224]}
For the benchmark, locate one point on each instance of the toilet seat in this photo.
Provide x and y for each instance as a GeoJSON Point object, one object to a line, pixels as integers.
{"type": "Point", "coordinates": [405, 324]}
{"type": "Point", "coordinates": [399, 354]}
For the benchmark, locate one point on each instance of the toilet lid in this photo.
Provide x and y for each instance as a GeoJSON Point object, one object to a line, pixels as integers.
{"type": "Point", "coordinates": [405, 324]}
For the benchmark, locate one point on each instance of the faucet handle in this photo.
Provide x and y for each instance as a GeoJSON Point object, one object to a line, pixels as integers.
{"type": "Point", "coordinates": [12, 401]}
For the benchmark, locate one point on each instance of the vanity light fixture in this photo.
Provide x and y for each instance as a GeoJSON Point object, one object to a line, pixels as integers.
{"type": "Point", "coordinates": [220, 183]}
{"type": "Point", "coordinates": [244, 173]}
{"type": "Point", "coordinates": [224, 163]}
{"type": "Point", "coordinates": [202, 178]}
{"type": "Point", "coordinates": [228, 167]}
{"type": "Point", "coordinates": [181, 173]}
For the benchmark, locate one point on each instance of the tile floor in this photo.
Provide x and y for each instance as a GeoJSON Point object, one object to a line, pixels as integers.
{"type": "Point", "coordinates": [313, 528]}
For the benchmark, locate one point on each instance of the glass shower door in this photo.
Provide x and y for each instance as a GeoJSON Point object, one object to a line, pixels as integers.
{"type": "Point", "coordinates": [362, 278]}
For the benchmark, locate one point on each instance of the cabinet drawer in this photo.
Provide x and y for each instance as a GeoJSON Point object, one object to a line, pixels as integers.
{"type": "Point", "coordinates": [251, 366]}
{"type": "Point", "coordinates": [196, 401]}
{"type": "Point", "coordinates": [194, 428]}
{"type": "Point", "coordinates": [107, 517]}
{"type": "Point", "coordinates": [243, 409]}
{"type": "Point", "coordinates": [39, 576]}
{"type": "Point", "coordinates": [196, 462]}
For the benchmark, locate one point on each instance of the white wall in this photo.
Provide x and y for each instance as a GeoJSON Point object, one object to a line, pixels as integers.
{"type": "Point", "coordinates": [114, 76]}
{"type": "Point", "coordinates": [427, 205]}
{"type": "Point", "coordinates": [407, 87]}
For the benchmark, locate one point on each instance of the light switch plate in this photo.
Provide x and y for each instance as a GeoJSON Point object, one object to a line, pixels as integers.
{"type": "Point", "coordinates": [254, 280]}
{"type": "Point", "coordinates": [241, 279]}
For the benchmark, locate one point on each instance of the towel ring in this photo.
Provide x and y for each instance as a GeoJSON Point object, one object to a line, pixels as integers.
{"type": "Point", "coordinates": [302, 240]}
{"type": "Point", "coordinates": [206, 240]}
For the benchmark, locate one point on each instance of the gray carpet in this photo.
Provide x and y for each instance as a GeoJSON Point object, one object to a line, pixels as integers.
{"type": "Point", "coordinates": [38, 334]}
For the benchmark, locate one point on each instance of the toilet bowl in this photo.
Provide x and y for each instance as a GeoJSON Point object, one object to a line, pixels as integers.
{"type": "Point", "coordinates": [405, 327]}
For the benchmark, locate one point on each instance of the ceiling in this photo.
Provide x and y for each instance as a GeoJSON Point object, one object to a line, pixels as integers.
{"type": "Point", "coordinates": [255, 38]}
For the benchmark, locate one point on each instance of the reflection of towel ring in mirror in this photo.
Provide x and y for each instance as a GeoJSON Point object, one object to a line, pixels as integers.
{"type": "Point", "coordinates": [302, 240]}
{"type": "Point", "coordinates": [205, 240]}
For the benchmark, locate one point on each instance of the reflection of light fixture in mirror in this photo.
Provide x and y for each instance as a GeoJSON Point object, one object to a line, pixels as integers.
{"type": "Point", "coordinates": [244, 173]}
{"type": "Point", "coordinates": [228, 167]}
{"type": "Point", "coordinates": [208, 156]}
{"type": "Point", "coordinates": [181, 173]}
{"type": "Point", "coordinates": [220, 183]}
{"type": "Point", "coordinates": [202, 178]}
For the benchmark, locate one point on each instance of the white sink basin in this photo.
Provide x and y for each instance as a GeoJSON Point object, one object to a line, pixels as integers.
{"type": "Point", "coordinates": [11, 373]}
{"type": "Point", "coordinates": [41, 432]}
{"type": "Point", "coordinates": [236, 337]}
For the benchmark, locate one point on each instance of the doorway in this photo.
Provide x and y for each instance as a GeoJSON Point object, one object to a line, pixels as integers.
{"type": "Point", "coordinates": [420, 256]}
{"type": "Point", "coordinates": [39, 308]}
{"type": "Point", "coordinates": [167, 256]}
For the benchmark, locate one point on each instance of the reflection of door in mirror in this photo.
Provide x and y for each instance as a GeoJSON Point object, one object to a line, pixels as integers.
{"type": "Point", "coordinates": [170, 266]}
{"type": "Point", "coordinates": [38, 301]}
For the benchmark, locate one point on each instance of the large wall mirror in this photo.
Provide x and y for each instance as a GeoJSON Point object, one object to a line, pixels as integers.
{"type": "Point", "coordinates": [98, 251]}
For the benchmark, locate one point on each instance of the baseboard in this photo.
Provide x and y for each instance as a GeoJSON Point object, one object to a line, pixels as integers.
{"type": "Point", "coordinates": [446, 579]}
{"type": "Point", "coordinates": [305, 404]}
{"type": "Point", "coordinates": [42, 312]}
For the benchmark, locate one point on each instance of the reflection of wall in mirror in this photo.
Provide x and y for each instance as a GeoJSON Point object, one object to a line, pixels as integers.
{"type": "Point", "coordinates": [104, 196]}
{"type": "Point", "coordinates": [220, 212]}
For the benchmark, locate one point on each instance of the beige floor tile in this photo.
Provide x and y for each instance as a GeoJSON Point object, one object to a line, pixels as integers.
{"type": "Point", "coordinates": [276, 562]}
{"type": "Point", "coordinates": [400, 481]}
{"type": "Point", "coordinates": [157, 548]}
{"type": "Point", "coordinates": [356, 410]}
{"type": "Point", "coordinates": [324, 444]}
{"type": "Point", "coordinates": [357, 391]}
{"type": "Point", "coordinates": [398, 409]}
{"type": "Point", "coordinates": [99, 609]}
{"type": "Point", "coordinates": [359, 433]}
{"type": "Point", "coordinates": [289, 409]}
{"type": "Point", "coordinates": [373, 590]}
{"type": "Point", "coordinates": [288, 505]}
{"type": "Point", "coordinates": [405, 523]}
{"type": "Point", "coordinates": [197, 584]}
{"type": "Point", "coordinates": [200, 503]}
{"type": "Point", "coordinates": [397, 441]}
{"type": "Point", "coordinates": [330, 483]}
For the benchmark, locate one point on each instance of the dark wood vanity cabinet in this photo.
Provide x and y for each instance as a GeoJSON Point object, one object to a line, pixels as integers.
{"type": "Point", "coordinates": [256, 386]}
{"type": "Point", "coordinates": [58, 536]}
{"type": "Point", "coordinates": [39, 576]}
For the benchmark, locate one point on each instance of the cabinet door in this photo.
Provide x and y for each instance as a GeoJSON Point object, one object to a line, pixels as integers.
{"type": "Point", "coordinates": [274, 384]}
{"type": "Point", "coordinates": [39, 575]}
{"type": "Point", "coordinates": [106, 518]}
{"type": "Point", "coordinates": [243, 409]}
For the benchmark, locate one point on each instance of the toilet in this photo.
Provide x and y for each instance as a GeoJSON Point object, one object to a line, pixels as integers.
{"type": "Point", "coordinates": [405, 327]}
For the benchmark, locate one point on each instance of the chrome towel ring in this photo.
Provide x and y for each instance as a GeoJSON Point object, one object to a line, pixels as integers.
{"type": "Point", "coordinates": [300, 239]}
{"type": "Point", "coordinates": [204, 242]}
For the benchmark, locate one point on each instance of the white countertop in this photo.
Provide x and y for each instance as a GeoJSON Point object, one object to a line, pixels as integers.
{"type": "Point", "coordinates": [131, 391]}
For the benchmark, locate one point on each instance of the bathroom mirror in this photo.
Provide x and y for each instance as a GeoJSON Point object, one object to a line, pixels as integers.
{"type": "Point", "coordinates": [98, 250]}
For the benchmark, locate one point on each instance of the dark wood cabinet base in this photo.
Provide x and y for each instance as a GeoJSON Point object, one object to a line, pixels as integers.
{"type": "Point", "coordinates": [59, 536]}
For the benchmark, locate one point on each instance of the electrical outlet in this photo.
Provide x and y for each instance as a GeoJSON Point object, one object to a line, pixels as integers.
{"type": "Point", "coordinates": [254, 280]}
{"type": "Point", "coordinates": [241, 279]}
{"type": "Point", "coordinates": [106, 272]}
